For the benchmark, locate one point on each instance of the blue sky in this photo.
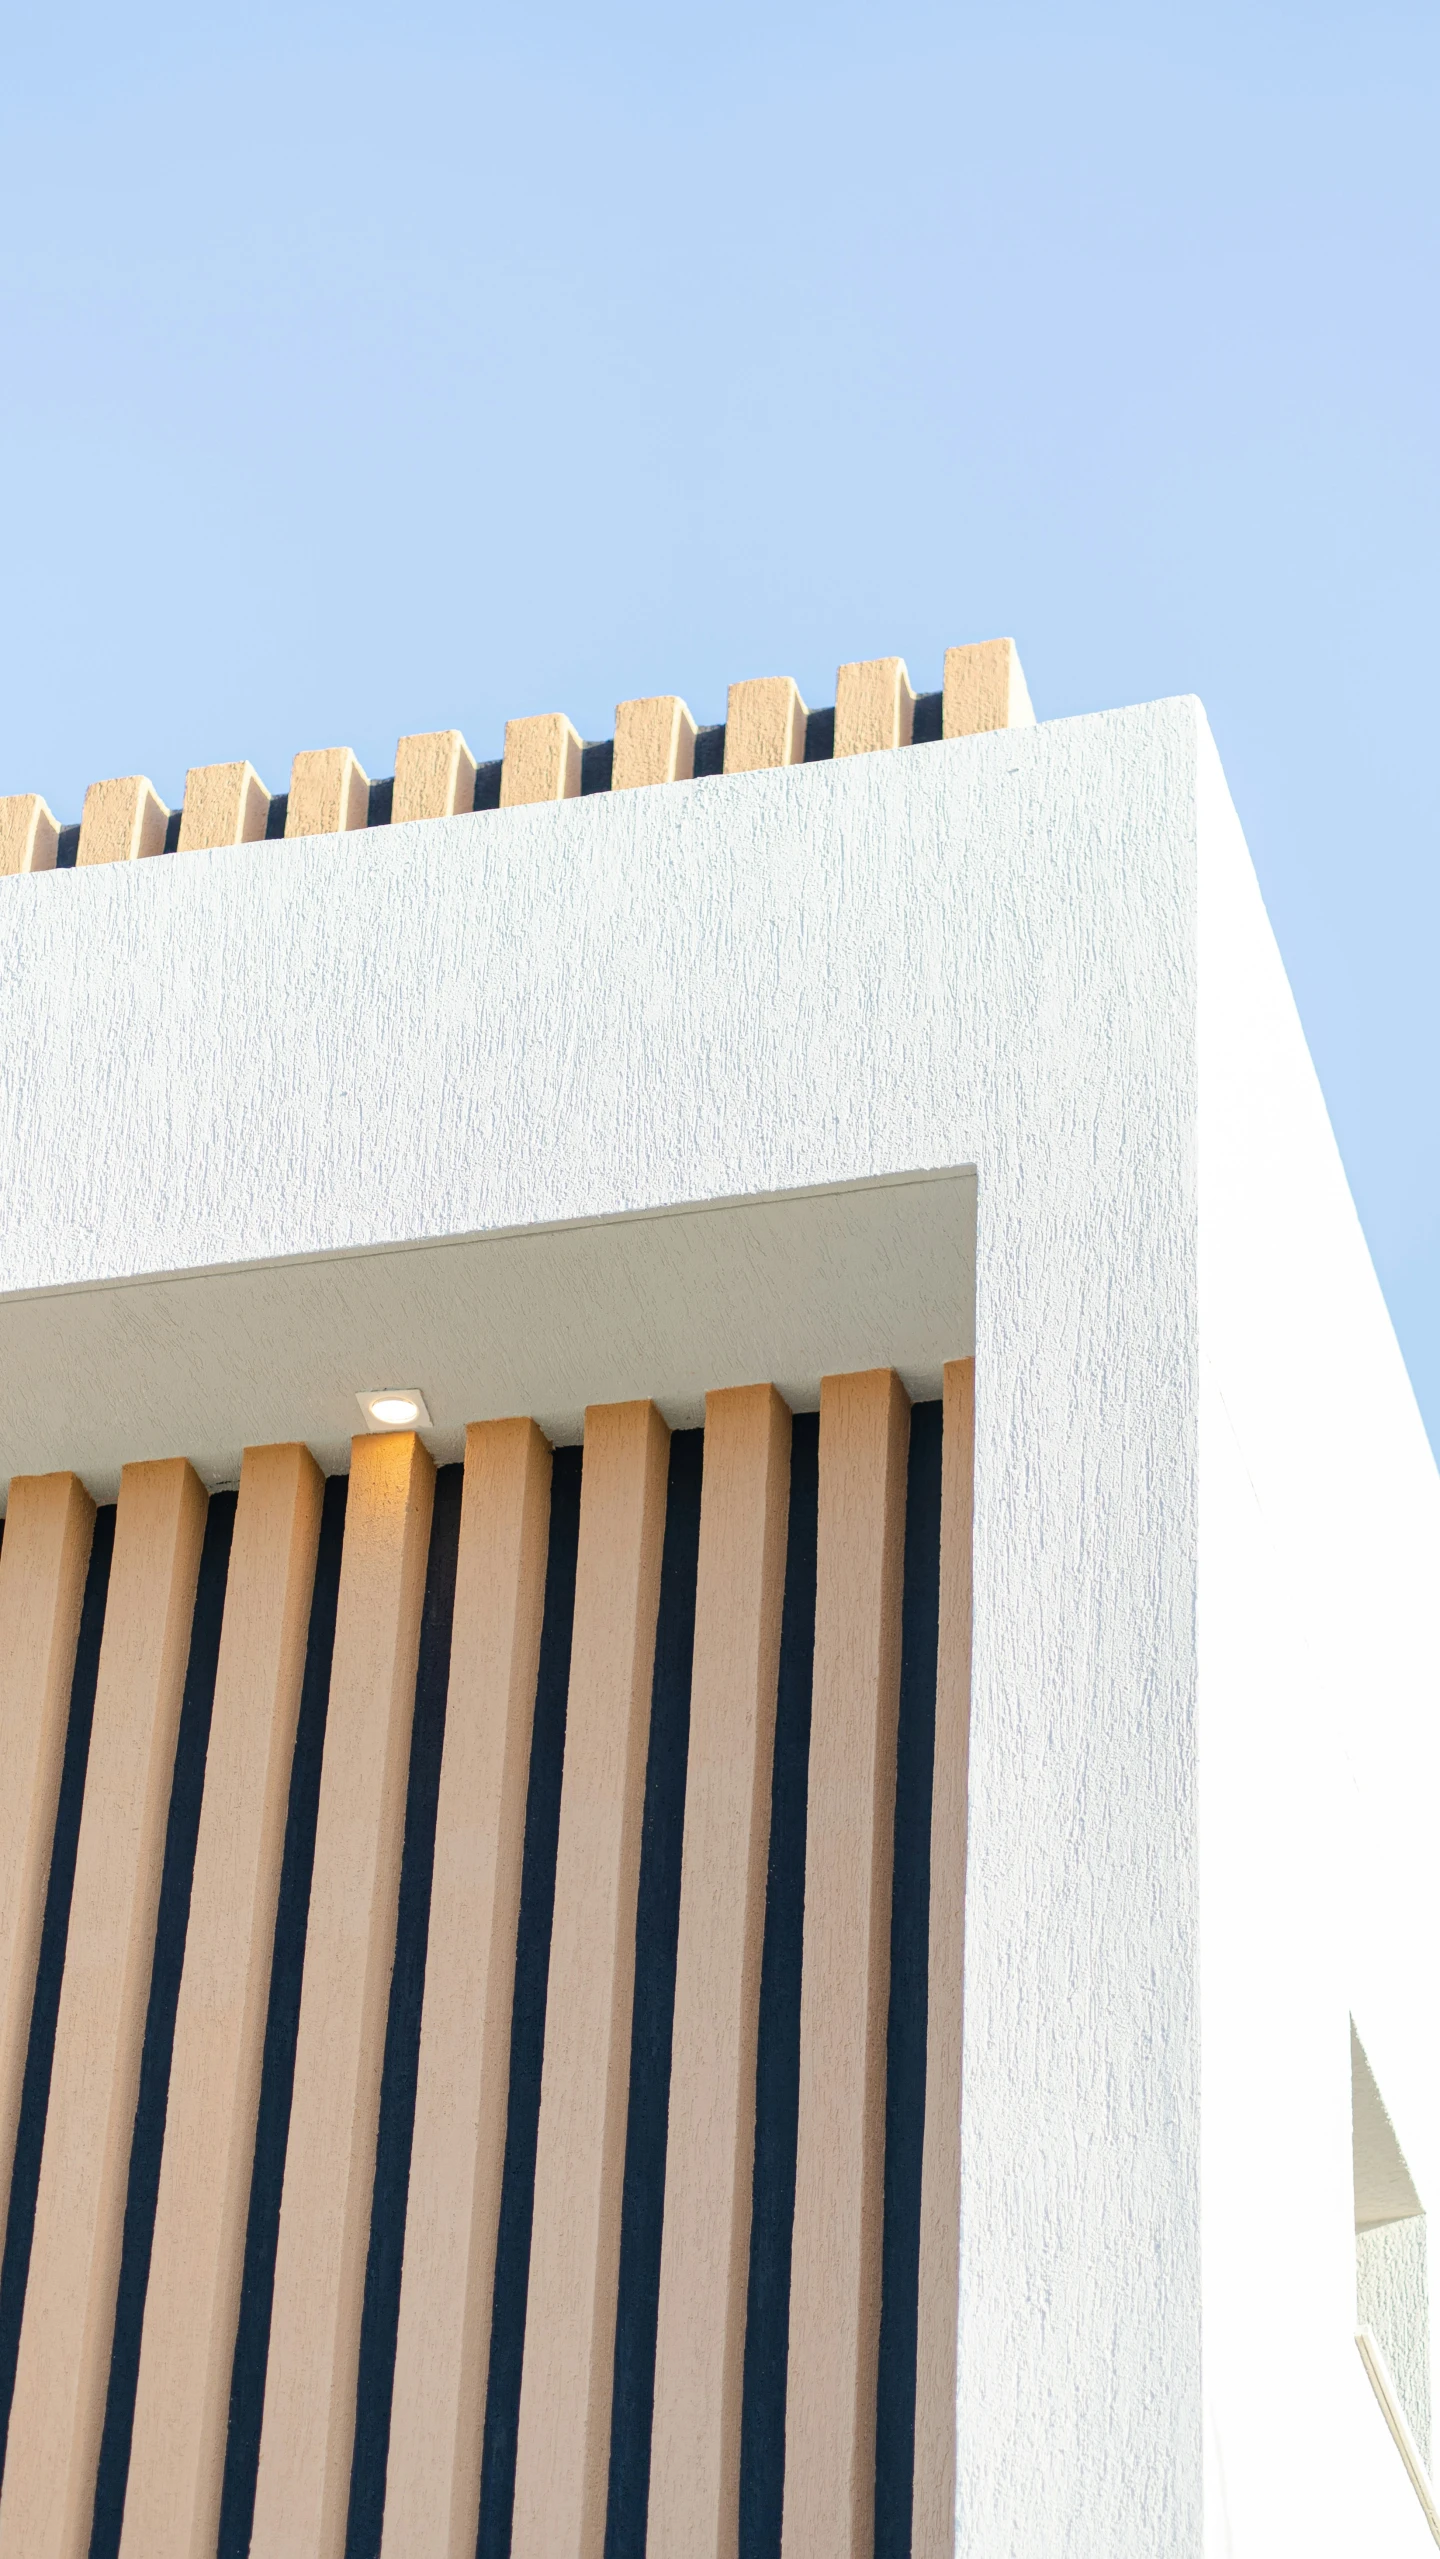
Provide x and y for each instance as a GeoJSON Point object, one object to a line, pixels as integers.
{"type": "Point", "coordinates": [371, 371]}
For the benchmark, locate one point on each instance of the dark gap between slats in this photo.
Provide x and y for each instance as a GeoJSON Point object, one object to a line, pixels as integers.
{"type": "Point", "coordinates": [777, 2070]}
{"type": "Point", "coordinates": [381, 2314]}
{"type": "Point", "coordinates": [40, 2051]}
{"type": "Point", "coordinates": [657, 1924]}
{"type": "Point", "coordinates": [527, 2033]}
{"type": "Point", "coordinates": [909, 1982]}
{"type": "Point", "coordinates": [173, 1912]}
{"type": "Point", "coordinates": [928, 722]}
{"type": "Point", "coordinates": [247, 2377]}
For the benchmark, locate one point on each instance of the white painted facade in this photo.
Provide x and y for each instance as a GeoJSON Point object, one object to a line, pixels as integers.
{"type": "Point", "coordinates": [1207, 1527]}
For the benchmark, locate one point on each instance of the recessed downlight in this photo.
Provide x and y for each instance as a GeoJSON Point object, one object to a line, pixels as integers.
{"type": "Point", "coordinates": [394, 1408]}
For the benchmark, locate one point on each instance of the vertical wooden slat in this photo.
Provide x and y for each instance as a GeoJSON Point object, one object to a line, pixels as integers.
{"type": "Point", "coordinates": [434, 777]}
{"type": "Point", "coordinates": [122, 821]}
{"type": "Point", "coordinates": [29, 836]}
{"type": "Point", "coordinates": [874, 706]}
{"type": "Point", "coordinates": [933, 2535]}
{"type": "Point", "coordinates": [542, 760]}
{"type": "Point", "coordinates": [432, 2490]}
{"type": "Point", "coordinates": [307, 2432]}
{"type": "Point", "coordinates": [705, 2251]}
{"type": "Point", "coordinates": [829, 2509]}
{"type": "Point", "coordinates": [224, 804]}
{"type": "Point", "coordinates": [764, 724]}
{"type": "Point", "coordinates": [349, 1948]}
{"type": "Point", "coordinates": [984, 689]}
{"type": "Point", "coordinates": [329, 792]}
{"type": "Point", "coordinates": [654, 742]}
{"type": "Point", "coordinates": [60, 2382]}
{"type": "Point", "coordinates": [48, 1529]}
{"type": "Point", "coordinates": [172, 2502]}
{"type": "Point", "coordinates": [562, 2455]}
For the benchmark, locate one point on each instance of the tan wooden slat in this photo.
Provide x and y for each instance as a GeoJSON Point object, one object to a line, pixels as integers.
{"type": "Point", "coordinates": [933, 2533]}
{"type": "Point", "coordinates": [177, 2458]}
{"type": "Point", "coordinates": [542, 760]}
{"type": "Point", "coordinates": [764, 724]}
{"type": "Point", "coordinates": [562, 2455]}
{"type": "Point", "coordinates": [122, 821]}
{"type": "Point", "coordinates": [29, 836]}
{"type": "Point", "coordinates": [48, 1530]}
{"type": "Point", "coordinates": [329, 792]}
{"type": "Point", "coordinates": [874, 706]}
{"type": "Point", "coordinates": [434, 777]}
{"type": "Point", "coordinates": [224, 804]}
{"type": "Point", "coordinates": [705, 2252]}
{"type": "Point", "coordinates": [307, 2432]}
{"type": "Point", "coordinates": [984, 689]}
{"type": "Point", "coordinates": [432, 2490]}
{"type": "Point", "coordinates": [654, 742]}
{"type": "Point", "coordinates": [829, 2503]}
{"type": "Point", "coordinates": [60, 2383]}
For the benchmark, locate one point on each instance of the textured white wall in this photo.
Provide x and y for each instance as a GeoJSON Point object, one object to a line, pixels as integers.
{"type": "Point", "coordinates": [1320, 1754]}
{"type": "Point", "coordinates": [1039, 953]}
{"type": "Point", "coordinates": [1392, 2299]}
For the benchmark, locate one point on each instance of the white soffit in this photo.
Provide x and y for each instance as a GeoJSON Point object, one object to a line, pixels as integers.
{"type": "Point", "coordinates": [788, 1286]}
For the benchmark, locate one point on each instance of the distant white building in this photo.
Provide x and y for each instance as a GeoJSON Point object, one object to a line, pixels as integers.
{"type": "Point", "coordinates": [580, 2002]}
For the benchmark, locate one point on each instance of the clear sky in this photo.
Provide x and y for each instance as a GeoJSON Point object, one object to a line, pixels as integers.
{"type": "Point", "coordinates": [376, 370]}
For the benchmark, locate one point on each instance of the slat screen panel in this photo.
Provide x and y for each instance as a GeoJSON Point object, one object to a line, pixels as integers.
{"type": "Point", "coordinates": [622, 2450]}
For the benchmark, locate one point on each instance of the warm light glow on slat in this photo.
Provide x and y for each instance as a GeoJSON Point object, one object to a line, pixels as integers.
{"type": "Point", "coordinates": [307, 2435]}
{"type": "Point", "coordinates": [432, 2493]}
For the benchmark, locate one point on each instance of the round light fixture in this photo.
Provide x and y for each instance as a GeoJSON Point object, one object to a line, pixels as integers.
{"type": "Point", "coordinates": [395, 1411]}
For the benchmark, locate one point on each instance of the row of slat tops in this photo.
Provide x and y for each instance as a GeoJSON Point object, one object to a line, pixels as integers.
{"type": "Point", "coordinates": [125, 820]}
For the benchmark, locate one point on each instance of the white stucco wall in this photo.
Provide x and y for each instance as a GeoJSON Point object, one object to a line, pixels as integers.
{"type": "Point", "coordinates": [1319, 1682]}
{"type": "Point", "coordinates": [1041, 954]}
